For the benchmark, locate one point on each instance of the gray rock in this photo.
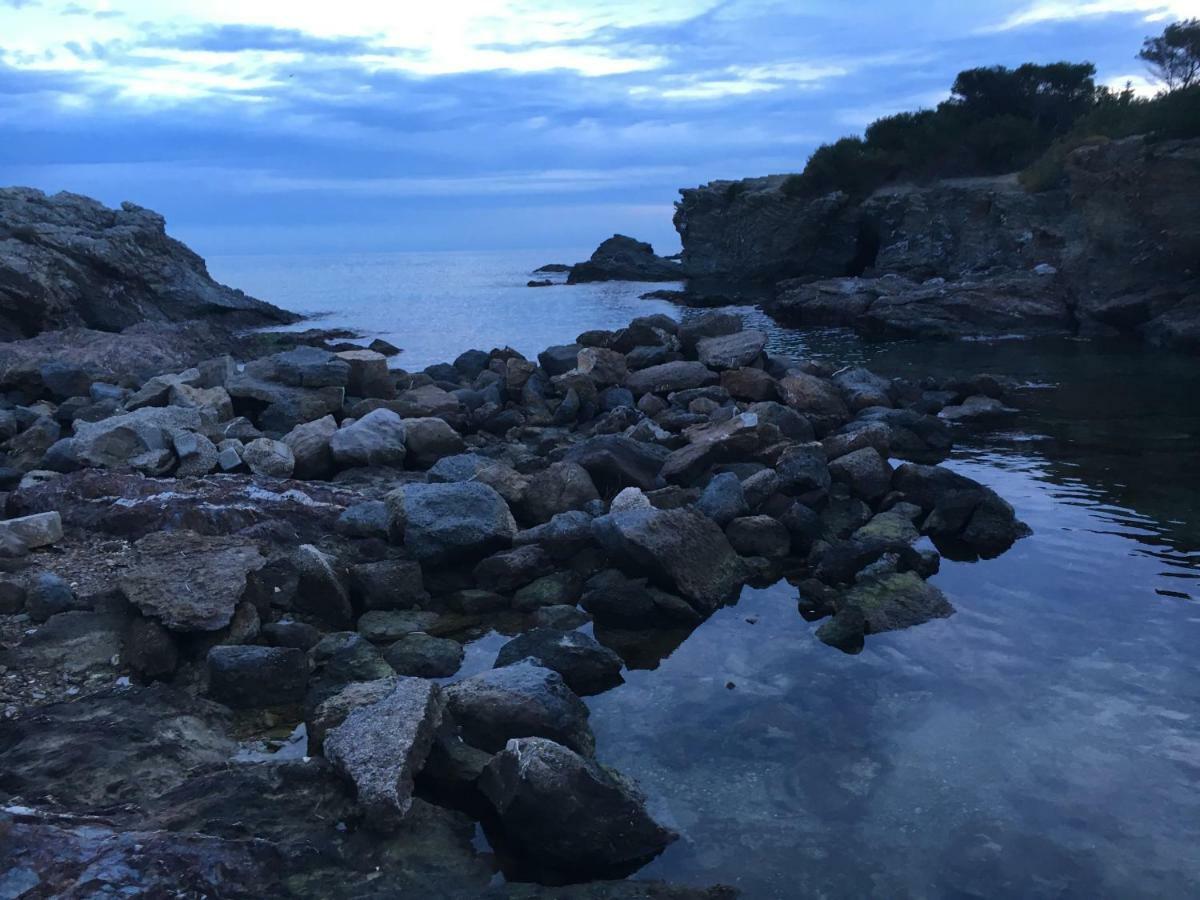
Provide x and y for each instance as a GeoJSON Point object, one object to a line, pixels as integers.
{"type": "Point", "coordinates": [273, 459]}
{"type": "Point", "coordinates": [567, 813]}
{"type": "Point", "coordinates": [310, 367]}
{"type": "Point", "coordinates": [560, 359]}
{"type": "Point", "coordinates": [723, 499]}
{"type": "Point", "coordinates": [587, 666]}
{"type": "Point", "coordinates": [310, 446]}
{"type": "Point", "coordinates": [508, 570]}
{"type": "Point", "coordinates": [430, 439]}
{"type": "Point", "coordinates": [346, 656]}
{"type": "Point", "coordinates": [621, 258]}
{"type": "Point", "coordinates": [381, 748]}
{"type": "Point", "coordinates": [249, 677]}
{"type": "Point", "coordinates": [377, 439]}
{"type": "Point", "coordinates": [707, 325]}
{"type": "Point", "coordinates": [621, 602]}
{"type": "Point", "coordinates": [605, 367]}
{"type": "Point", "coordinates": [679, 547]}
{"type": "Point", "coordinates": [759, 536]}
{"type": "Point", "coordinates": [896, 601]}
{"type": "Point", "coordinates": [320, 590]}
{"type": "Point", "coordinates": [516, 701]}
{"type": "Point", "coordinates": [866, 472]}
{"type": "Point", "coordinates": [369, 375]}
{"type": "Point", "coordinates": [424, 656]}
{"type": "Point", "coordinates": [197, 454]}
{"type": "Point", "coordinates": [629, 498]}
{"type": "Point", "coordinates": [680, 375]}
{"type": "Point", "coordinates": [445, 522]}
{"type": "Point", "coordinates": [188, 581]}
{"type": "Point", "coordinates": [385, 626]}
{"type": "Point", "coordinates": [49, 595]}
{"type": "Point", "coordinates": [555, 589]}
{"type": "Point", "coordinates": [112, 442]}
{"type": "Point", "coordinates": [362, 520]}
{"type": "Point", "coordinates": [37, 530]}
{"type": "Point", "coordinates": [731, 351]}
{"type": "Point", "coordinates": [558, 488]}
{"type": "Point", "coordinates": [615, 462]}
{"type": "Point", "coordinates": [388, 584]}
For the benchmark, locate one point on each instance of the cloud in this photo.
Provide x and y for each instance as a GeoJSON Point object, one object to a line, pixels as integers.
{"type": "Point", "coordinates": [1043, 11]}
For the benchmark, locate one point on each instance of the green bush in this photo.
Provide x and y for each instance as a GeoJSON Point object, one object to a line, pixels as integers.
{"type": "Point", "coordinates": [1049, 171]}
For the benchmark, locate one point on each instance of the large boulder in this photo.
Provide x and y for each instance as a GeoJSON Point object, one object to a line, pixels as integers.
{"type": "Point", "coordinates": [732, 351]}
{"type": "Point", "coordinates": [310, 446]}
{"type": "Point", "coordinates": [615, 461]}
{"type": "Point", "coordinates": [67, 260]}
{"type": "Point", "coordinates": [441, 523]}
{"type": "Point", "coordinates": [380, 748]}
{"type": "Point", "coordinates": [377, 439]}
{"type": "Point", "coordinates": [560, 487]}
{"type": "Point", "coordinates": [622, 258]}
{"type": "Point", "coordinates": [520, 700]}
{"type": "Point", "coordinates": [430, 439]}
{"type": "Point", "coordinates": [189, 581]}
{"type": "Point", "coordinates": [668, 377]}
{"type": "Point", "coordinates": [681, 548]}
{"type": "Point", "coordinates": [567, 813]}
{"type": "Point", "coordinates": [115, 441]}
{"type": "Point", "coordinates": [959, 509]}
{"type": "Point", "coordinates": [250, 677]}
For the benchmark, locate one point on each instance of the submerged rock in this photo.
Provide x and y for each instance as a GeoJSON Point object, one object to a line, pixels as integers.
{"type": "Point", "coordinates": [585, 665]}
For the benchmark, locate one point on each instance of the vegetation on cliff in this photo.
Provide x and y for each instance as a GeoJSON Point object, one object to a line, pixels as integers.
{"type": "Point", "coordinates": [1001, 120]}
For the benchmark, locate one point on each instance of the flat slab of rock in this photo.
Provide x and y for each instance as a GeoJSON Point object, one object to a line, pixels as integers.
{"type": "Point", "coordinates": [189, 581]}
{"type": "Point", "coordinates": [680, 375]}
{"type": "Point", "coordinates": [380, 749]}
{"type": "Point", "coordinates": [37, 530]}
{"type": "Point", "coordinates": [587, 666]}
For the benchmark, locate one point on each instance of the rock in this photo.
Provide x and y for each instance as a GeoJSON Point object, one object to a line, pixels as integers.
{"type": "Point", "coordinates": [310, 367]}
{"type": "Point", "coordinates": [605, 367]}
{"type": "Point", "coordinates": [707, 325]}
{"type": "Point", "coordinates": [679, 547]}
{"type": "Point", "coordinates": [12, 596]}
{"type": "Point", "coordinates": [896, 601]}
{"type": "Point", "coordinates": [749, 384]}
{"type": "Point", "coordinates": [680, 375]}
{"type": "Point", "coordinates": [68, 260]}
{"type": "Point", "coordinates": [197, 454]}
{"type": "Point", "coordinates": [559, 360]}
{"type": "Point", "coordinates": [555, 589]}
{"type": "Point", "coordinates": [511, 569]}
{"type": "Point", "coordinates": [731, 351]}
{"type": "Point", "coordinates": [516, 701]}
{"type": "Point", "coordinates": [332, 711]}
{"type": "Point", "coordinates": [615, 462]}
{"type": "Point", "coordinates": [802, 469]}
{"type": "Point", "coordinates": [562, 617]}
{"type": "Point", "coordinates": [49, 595]}
{"type": "Point", "coordinates": [816, 398]}
{"type": "Point", "coordinates": [759, 536]}
{"type": "Point", "coordinates": [377, 439]}
{"type": "Point", "coordinates": [845, 630]}
{"type": "Point", "coordinates": [388, 584]}
{"type": "Point", "coordinates": [977, 408]}
{"type": "Point", "coordinates": [586, 666]}
{"type": "Point", "coordinates": [273, 459]}
{"type": "Point", "coordinates": [423, 656]}
{"type": "Point", "coordinates": [562, 537]}
{"type": "Point", "coordinates": [369, 375]}
{"type": "Point", "coordinates": [723, 499]}
{"type": "Point", "coordinates": [622, 258]}
{"type": "Point", "coordinates": [441, 523]}
{"type": "Point", "coordinates": [862, 388]}
{"type": "Point", "coordinates": [621, 602]}
{"type": "Point", "coordinates": [188, 581]}
{"type": "Point", "coordinates": [865, 471]}
{"type": "Point", "coordinates": [345, 656]}
{"type": "Point", "coordinates": [629, 498]}
{"type": "Point", "coordinates": [37, 530]}
{"type": "Point", "coordinates": [250, 677]}
{"type": "Point", "coordinates": [380, 748]}
{"type": "Point", "coordinates": [560, 487]}
{"type": "Point", "coordinates": [959, 508]}
{"type": "Point", "coordinates": [310, 446]}
{"type": "Point", "coordinates": [566, 813]}
{"type": "Point", "coordinates": [288, 633]}
{"type": "Point", "coordinates": [386, 348]}
{"type": "Point", "coordinates": [112, 442]}
{"type": "Point", "coordinates": [385, 626]}
{"type": "Point", "coordinates": [116, 746]}
{"type": "Point", "coordinates": [364, 520]}
{"type": "Point", "coordinates": [149, 649]}
{"type": "Point", "coordinates": [790, 423]}
{"type": "Point", "coordinates": [429, 440]}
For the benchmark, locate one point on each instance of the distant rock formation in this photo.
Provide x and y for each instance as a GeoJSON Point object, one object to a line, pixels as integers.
{"type": "Point", "coordinates": [622, 258]}
{"type": "Point", "coordinates": [1116, 251]}
{"type": "Point", "coordinates": [69, 261]}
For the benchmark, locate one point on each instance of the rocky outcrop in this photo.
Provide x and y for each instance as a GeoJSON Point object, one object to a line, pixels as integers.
{"type": "Point", "coordinates": [622, 258]}
{"type": "Point", "coordinates": [1112, 252]}
{"type": "Point", "coordinates": [67, 260]}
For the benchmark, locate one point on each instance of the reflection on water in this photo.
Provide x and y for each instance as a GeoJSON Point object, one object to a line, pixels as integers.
{"type": "Point", "coordinates": [1042, 742]}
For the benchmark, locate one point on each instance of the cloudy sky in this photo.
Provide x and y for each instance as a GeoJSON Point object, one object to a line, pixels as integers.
{"type": "Point", "coordinates": [281, 126]}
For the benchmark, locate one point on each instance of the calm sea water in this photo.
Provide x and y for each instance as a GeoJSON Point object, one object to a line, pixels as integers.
{"type": "Point", "coordinates": [1042, 742]}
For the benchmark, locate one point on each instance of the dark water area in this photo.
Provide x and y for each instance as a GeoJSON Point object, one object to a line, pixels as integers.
{"type": "Point", "coordinates": [1042, 742]}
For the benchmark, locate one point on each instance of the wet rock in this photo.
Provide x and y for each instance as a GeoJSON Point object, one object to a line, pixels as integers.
{"type": "Point", "coordinates": [802, 470]}
{"type": "Point", "coordinates": [445, 522]}
{"type": "Point", "coordinates": [561, 617]}
{"type": "Point", "coordinates": [474, 601]}
{"type": "Point", "coordinates": [959, 508]}
{"type": "Point", "coordinates": [565, 812]}
{"type": "Point", "coordinates": [896, 601]}
{"type": "Point", "coordinates": [865, 471]}
{"type": "Point", "coordinates": [759, 536]}
{"type": "Point", "coordinates": [116, 746]}
{"type": "Point", "coordinates": [188, 581]}
{"type": "Point", "coordinates": [977, 408]}
{"type": "Point", "coordinates": [250, 677]}
{"type": "Point", "coordinates": [346, 656]}
{"type": "Point", "coordinates": [424, 656]}
{"type": "Point", "coordinates": [622, 258]}
{"type": "Point", "coordinates": [385, 626]}
{"type": "Point", "coordinates": [516, 701]}
{"type": "Point", "coordinates": [846, 629]}
{"type": "Point", "coordinates": [376, 439]}
{"type": "Point", "coordinates": [320, 588]}
{"type": "Point", "coordinates": [585, 665]}
{"type": "Point", "coordinates": [430, 439]}
{"type": "Point", "coordinates": [679, 547]}
{"type": "Point", "coordinates": [616, 600]}
{"type": "Point", "coordinates": [555, 589]}
{"type": "Point", "coordinates": [380, 749]}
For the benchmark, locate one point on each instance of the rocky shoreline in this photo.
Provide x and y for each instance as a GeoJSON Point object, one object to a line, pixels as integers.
{"type": "Point", "coordinates": [237, 594]}
{"type": "Point", "coordinates": [1111, 253]}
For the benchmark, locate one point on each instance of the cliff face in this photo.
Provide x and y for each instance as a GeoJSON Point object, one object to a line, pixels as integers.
{"type": "Point", "coordinates": [68, 260]}
{"type": "Point", "coordinates": [1116, 250]}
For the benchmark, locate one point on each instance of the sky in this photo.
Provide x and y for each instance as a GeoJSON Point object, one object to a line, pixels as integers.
{"type": "Point", "coordinates": [285, 126]}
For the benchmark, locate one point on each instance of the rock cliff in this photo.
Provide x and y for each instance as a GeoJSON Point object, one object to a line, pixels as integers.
{"type": "Point", "coordinates": [1114, 251]}
{"type": "Point", "coordinates": [68, 261]}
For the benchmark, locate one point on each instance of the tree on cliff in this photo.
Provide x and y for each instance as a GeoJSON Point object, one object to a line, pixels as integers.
{"type": "Point", "coordinates": [1174, 56]}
